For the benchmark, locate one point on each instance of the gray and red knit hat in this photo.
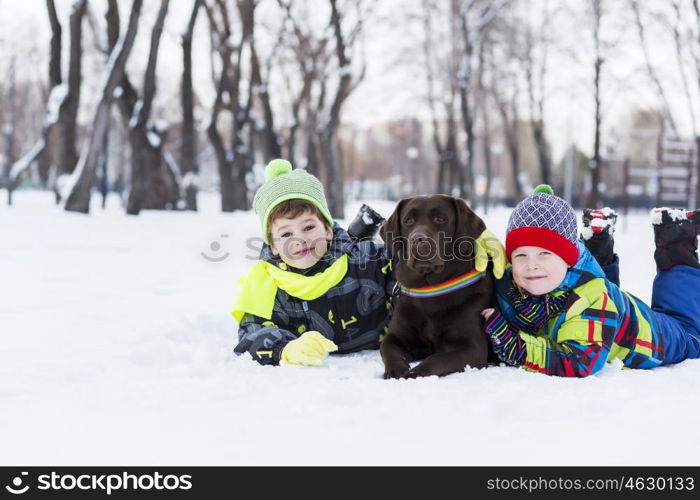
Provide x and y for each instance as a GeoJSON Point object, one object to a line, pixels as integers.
{"type": "Point", "coordinates": [544, 220]}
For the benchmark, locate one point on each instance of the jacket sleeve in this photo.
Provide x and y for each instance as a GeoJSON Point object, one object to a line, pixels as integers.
{"type": "Point", "coordinates": [379, 255]}
{"type": "Point", "coordinates": [579, 350]}
{"type": "Point", "coordinates": [263, 339]}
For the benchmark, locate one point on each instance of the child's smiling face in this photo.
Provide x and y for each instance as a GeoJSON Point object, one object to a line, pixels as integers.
{"type": "Point", "coordinates": [537, 270]}
{"type": "Point", "coordinates": [300, 241]}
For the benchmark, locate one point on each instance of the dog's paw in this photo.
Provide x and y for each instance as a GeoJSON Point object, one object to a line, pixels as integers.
{"type": "Point", "coordinates": [418, 372]}
{"type": "Point", "coordinates": [396, 372]}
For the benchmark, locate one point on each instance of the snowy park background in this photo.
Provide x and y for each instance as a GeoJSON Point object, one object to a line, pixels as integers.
{"type": "Point", "coordinates": [117, 346]}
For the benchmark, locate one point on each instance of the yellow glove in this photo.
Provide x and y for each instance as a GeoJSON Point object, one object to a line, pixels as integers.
{"type": "Point", "coordinates": [488, 245]}
{"type": "Point", "coordinates": [310, 349]}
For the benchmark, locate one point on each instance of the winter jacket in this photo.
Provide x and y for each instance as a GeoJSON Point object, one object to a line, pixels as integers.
{"type": "Point", "coordinates": [346, 297]}
{"type": "Point", "coordinates": [575, 329]}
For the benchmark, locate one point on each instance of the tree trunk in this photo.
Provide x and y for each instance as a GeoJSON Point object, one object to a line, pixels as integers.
{"type": "Point", "coordinates": [328, 137]}
{"type": "Point", "coordinates": [188, 159]}
{"type": "Point", "coordinates": [153, 186]}
{"type": "Point", "coordinates": [452, 159]}
{"type": "Point", "coordinates": [232, 164]}
{"type": "Point", "coordinates": [464, 80]}
{"type": "Point", "coordinates": [487, 161]}
{"type": "Point", "coordinates": [483, 97]}
{"type": "Point", "coordinates": [313, 144]}
{"type": "Point", "coordinates": [102, 168]}
{"type": "Point", "coordinates": [46, 158]}
{"type": "Point", "coordinates": [8, 133]}
{"type": "Point", "coordinates": [55, 59]}
{"type": "Point", "coordinates": [653, 76]}
{"type": "Point", "coordinates": [43, 150]}
{"type": "Point", "coordinates": [537, 105]}
{"type": "Point", "coordinates": [312, 155]}
{"type": "Point", "coordinates": [594, 195]}
{"type": "Point", "coordinates": [334, 181]}
{"type": "Point", "coordinates": [67, 155]}
{"type": "Point", "coordinates": [302, 98]}
{"type": "Point", "coordinates": [511, 135]}
{"type": "Point", "coordinates": [271, 139]}
{"type": "Point", "coordinates": [147, 169]}
{"type": "Point", "coordinates": [83, 177]}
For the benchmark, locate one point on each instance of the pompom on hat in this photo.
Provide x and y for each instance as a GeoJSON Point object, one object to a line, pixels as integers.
{"type": "Point", "coordinates": [283, 183]}
{"type": "Point", "coordinates": [544, 220]}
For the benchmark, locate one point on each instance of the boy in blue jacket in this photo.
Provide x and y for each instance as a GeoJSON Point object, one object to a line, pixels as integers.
{"type": "Point", "coordinates": [560, 315]}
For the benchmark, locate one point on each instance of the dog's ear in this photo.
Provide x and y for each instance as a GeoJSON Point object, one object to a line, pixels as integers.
{"type": "Point", "coordinates": [390, 232]}
{"type": "Point", "coordinates": [467, 223]}
{"type": "Point", "coordinates": [468, 227]}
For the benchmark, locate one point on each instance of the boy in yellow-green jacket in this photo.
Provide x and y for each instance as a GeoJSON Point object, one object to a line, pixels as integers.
{"type": "Point", "coordinates": [315, 289]}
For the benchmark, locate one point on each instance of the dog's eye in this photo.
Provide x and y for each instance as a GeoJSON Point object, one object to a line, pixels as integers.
{"type": "Point", "coordinates": [408, 220]}
{"type": "Point", "coordinates": [439, 219]}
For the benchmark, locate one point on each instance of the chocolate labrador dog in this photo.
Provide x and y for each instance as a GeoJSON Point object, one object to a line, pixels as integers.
{"type": "Point", "coordinates": [437, 314]}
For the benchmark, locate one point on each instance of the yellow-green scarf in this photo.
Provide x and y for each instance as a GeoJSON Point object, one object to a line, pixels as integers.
{"type": "Point", "coordinates": [260, 284]}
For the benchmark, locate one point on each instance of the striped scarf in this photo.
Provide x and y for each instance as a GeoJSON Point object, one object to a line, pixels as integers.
{"type": "Point", "coordinates": [531, 312]}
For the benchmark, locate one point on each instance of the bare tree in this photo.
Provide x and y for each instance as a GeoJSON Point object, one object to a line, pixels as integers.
{"type": "Point", "coordinates": [345, 85]}
{"type": "Point", "coordinates": [80, 185]}
{"type": "Point", "coordinates": [9, 132]}
{"type": "Point", "coordinates": [429, 61]}
{"type": "Point", "coordinates": [188, 159]}
{"type": "Point", "coordinates": [486, 120]}
{"type": "Point", "coordinates": [597, 12]}
{"type": "Point", "coordinates": [310, 57]}
{"type": "Point", "coordinates": [64, 98]}
{"type": "Point", "coordinates": [271, 139]}
{"type": "Point", "coordinates": [675, 28]}
{"type": "Point", "coordinates": [67, 121]}
{"type": "Point", "coordinates": [55, 58]}
{"type": "Point", "coordinates": [441, 63]}
{"type": "Point", "coordinates": [233, 160]}
{"type": "Point", "coordinates": [151, 186]}
{"type": "Point", "coordinates": [696, 57]}
{"type": "Point", "coordinates": [535, 76]}
{"type": "Point", "coordinates": [505, 90]}
{"type": "Point", "coordinates": [483, 14]}
{"type": "Point", "coordinates": [652, 73]}
{"type": "Point", "coordinates": [46, 158]}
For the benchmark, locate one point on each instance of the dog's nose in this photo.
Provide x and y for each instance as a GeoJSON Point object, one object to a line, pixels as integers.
{"type": "Point", "coordinates": [422, 245]}
{"type": "Point", "coordinates": [418, 238]}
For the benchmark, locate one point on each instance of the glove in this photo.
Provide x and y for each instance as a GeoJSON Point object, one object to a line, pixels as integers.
{"type": "Point", "coordinates": [309, 350]}
{"type": "Point", "coordinates": [488, 245]}
{"type": "Point", "coordinates": [366, 224]}
{"type": "Point", "coordinates": [505, 340]}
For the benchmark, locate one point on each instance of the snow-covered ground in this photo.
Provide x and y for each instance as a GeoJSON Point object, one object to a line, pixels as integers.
{"type": "Point", "coordinates": [116, 349]}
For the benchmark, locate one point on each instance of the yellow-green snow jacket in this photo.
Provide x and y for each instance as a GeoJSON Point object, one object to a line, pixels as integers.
{"type": "Point", "coordinates": [346, 297]}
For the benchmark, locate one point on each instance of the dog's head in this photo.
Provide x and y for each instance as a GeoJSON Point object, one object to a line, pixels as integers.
{"type": "Point", "coordinates": [432, 235]}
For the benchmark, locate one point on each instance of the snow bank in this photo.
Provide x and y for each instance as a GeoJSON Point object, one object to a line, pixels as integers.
{"type": "Point", "coordinates": [117, 342]}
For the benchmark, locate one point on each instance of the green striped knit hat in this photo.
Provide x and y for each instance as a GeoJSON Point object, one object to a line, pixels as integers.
{"type": "Point", "coordinates": [283, 183]}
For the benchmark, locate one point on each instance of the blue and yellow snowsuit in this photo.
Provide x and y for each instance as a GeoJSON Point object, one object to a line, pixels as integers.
{"type": "Point", "coordinates": [588, 321]}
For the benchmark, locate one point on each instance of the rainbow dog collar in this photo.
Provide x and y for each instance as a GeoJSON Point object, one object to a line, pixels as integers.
{"type": "Point", "coordinates": [446, 287]}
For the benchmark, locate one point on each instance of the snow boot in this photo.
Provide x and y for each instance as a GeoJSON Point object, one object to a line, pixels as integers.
{"type": "Point", "coordinates": [676, 237]}
{"type": "Point", "coordinates": [597, 233]}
